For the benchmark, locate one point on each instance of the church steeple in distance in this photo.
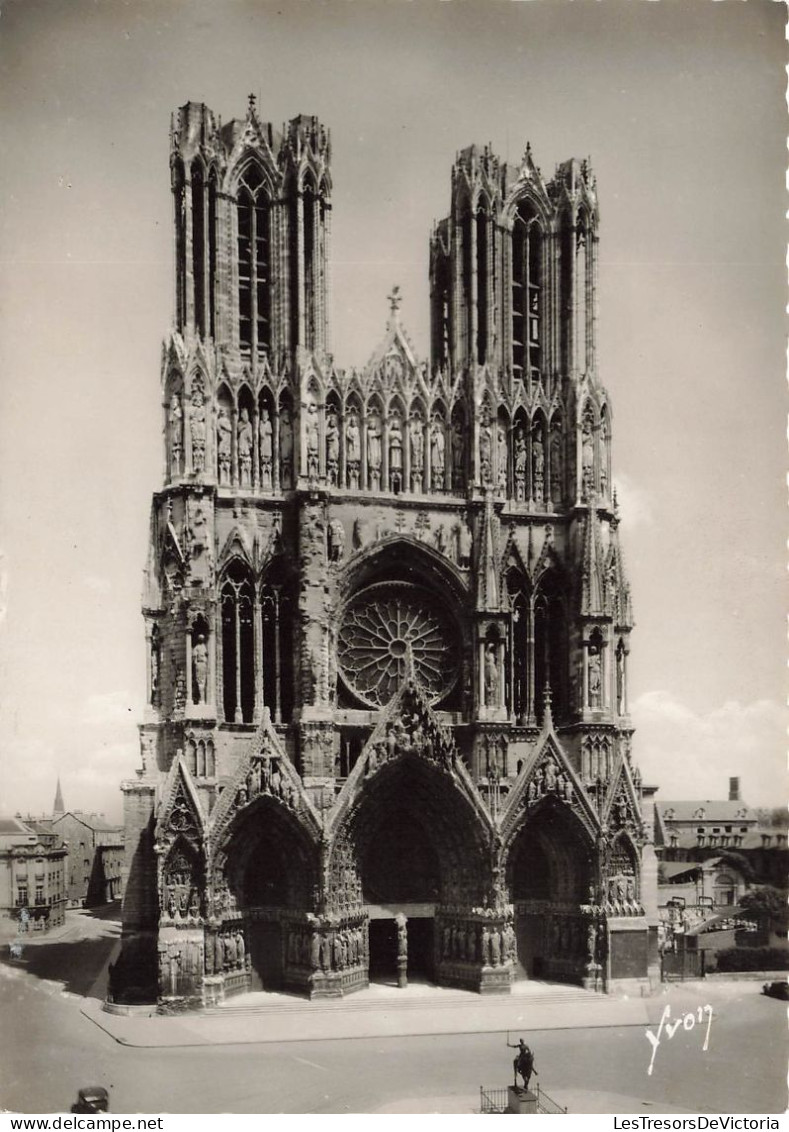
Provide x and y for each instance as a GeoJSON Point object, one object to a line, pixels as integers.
{"type": "Point", "coordinates": [58, 807]}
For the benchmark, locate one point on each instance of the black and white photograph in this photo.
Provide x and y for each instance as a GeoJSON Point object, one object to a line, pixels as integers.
{"type": "Point", "coordinates": [393, 559]}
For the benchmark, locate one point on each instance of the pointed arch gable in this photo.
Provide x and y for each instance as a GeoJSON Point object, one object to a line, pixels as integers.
{"type": "Point", "coordinates": [235, 549]}
{"type": "Point", "coordinates": [242, 791]}
{"type": "Point", "coordinates": [410, 783]}
{"type": "Point", "coordinates": [563, 787]}
{"type": "Point", "coordinates": [621, 808]}
{"type": "Point", "coordinates": [247, 158]}
{"type": "Point", "coordinates": [512, 559]}
{"type": "Point", "coordinates": [433, 744]}
{"type": "Point", "coordinates": [180, 813]}
{"type": "Point", "coordinates": [549, 566]}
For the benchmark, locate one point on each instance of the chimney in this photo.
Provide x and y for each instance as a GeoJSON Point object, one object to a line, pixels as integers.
{"type": "Point", "coordinates": [734, 789]}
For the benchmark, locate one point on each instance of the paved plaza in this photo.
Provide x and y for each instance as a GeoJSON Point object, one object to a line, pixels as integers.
{"type": "Point", "coordinates": [418, 1051]}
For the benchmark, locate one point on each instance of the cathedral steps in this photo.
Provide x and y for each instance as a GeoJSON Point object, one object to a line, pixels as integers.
{"type": "Point", "coordinates": [261, 1002]}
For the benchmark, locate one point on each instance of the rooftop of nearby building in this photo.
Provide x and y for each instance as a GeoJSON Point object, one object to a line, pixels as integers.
{"type": "Point", "coordinates": [11, 826]}
{"type": "Point", "coordinates": [711, 809]}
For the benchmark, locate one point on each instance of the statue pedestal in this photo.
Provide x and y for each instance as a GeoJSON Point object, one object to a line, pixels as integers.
{"type": "Point", "coordinates": [521, 1101]}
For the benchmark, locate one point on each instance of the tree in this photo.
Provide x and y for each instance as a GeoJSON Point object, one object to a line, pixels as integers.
{"type": "Point", "coordinates": [767, 904]}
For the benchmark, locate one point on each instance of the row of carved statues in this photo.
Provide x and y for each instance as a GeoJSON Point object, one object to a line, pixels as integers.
{"type": "Point", "coordinates": [372, 452]}
{"type": "Point", "coordinates": [411, 733]}
{"type": "Point", "coordinates": [265, 777]}
{"type": "Point", "coordinates": [473, 943]}
{"type": "Point", "coordinates": [336, 950]}
{"type": "Point", "coordinates": [225, 952]}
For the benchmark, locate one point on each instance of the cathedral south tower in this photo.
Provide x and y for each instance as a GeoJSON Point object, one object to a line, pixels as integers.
{"type": "Point", "coordinates": [386, 611]}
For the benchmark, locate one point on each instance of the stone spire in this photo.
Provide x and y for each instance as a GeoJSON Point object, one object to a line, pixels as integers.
{"type": "Point", "coordinates": [58, 807]}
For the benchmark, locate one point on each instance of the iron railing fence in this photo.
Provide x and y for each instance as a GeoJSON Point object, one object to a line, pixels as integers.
{"type": "Point", "coordinates": [547, 1104]}
{"type": "Point", "coordinates": [492, 1100]}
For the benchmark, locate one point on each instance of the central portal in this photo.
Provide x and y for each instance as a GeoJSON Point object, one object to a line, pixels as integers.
{"type": "Point", "coordinates": [405, 931]}
{"type": "Point", "coordinates": [401, 886]}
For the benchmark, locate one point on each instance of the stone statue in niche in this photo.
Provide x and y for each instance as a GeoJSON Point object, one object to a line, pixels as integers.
{"type": "Point", "coordinates": [395, 453]}
{"type": "Point", "coordinates": [538, 464]}
{"type": "Point", "coordinates": [457, 455]}
{"type": "Point", "coordinates": [332, 448]}
{"type": "Point", "coordinates": [439, 538]}
{"type": "Point", "coordinates": [464, 544]}
{"type": "Point", "coordinates": [224, 432]}
{"type": "Point", "coordinates": [595, 677]}
{"type": "Point", "coordinates": [587, 456]}
{"type": "Point", "coordinates": [266, 449]}
{"type": "Point", "coordinates": [200, 670]}
{"type": "Point", "coordinates": [176, 427]}
{"type": "Point", "coordinates": [286, 448]}
{"type": "Point", "coordinates": [520, 464]}
{"type": "Point", "coordinates": [374, 451]}
{"type": "Point", "coordinates": [491, 675]}
{"type": "Point", "coordinates": [486, 453]}
{"type": "Point", "coordinates": [556, 467]}
{"type": "Point", "coordinates": [437, 454]}
{"type": "Point", "coordinates": [197, 427]}
{"type": "Point", "coordinates": [353, 450]}
{"type": "Point", "coordinates": [603, 458]}
{"type": "Point", "coordinates": [199, 541]}
{"type": "Point", "coordinates": [501, 448]}
{"type": "Point", "coordinates": [244, 443]}
{"type": "Point", "coordinates": [336, 540]}
{"type": "Point", "coordinates": [360, 533]}
{"type": "Point", "coordinates": [155, 663]}
{"type": "Point", "coordinates": [417, 452]}
{"type": "Point", "coordinates": [312, 440]}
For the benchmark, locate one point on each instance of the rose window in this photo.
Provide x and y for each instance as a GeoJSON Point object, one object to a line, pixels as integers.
{"type": "Point", "coordinates": [391, 630]}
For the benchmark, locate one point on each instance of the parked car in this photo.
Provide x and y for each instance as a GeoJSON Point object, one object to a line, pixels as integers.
{"type": "Point", "coordinates": [94, 1098]}
{"type": "Point", "coordinates": [779, 989]}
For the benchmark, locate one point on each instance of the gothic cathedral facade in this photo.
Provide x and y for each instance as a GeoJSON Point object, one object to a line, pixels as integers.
{"type": "Point", "coordinates": [386, 610]}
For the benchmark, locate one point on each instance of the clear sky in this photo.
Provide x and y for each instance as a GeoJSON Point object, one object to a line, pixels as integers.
{"type": "Point", "coordinates": [680, 105]}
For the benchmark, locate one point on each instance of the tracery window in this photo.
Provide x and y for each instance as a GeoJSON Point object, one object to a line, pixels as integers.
{"type": "Point", "coordinates": [254, 267]}
{"type": "Point", "coordinates": [277, 650]}
{"type": "Point", "coordinates": [389, 630]}
{"type": "Point", "coordinates": [527, 302]}
{"type": "Point", "coordinates": [198, 246]}
{"type": "Point", "coordinates": [238, 676]}
{"type": "Point", "coordinates": [482, 284]}
{"type": "Point", "coordinates": [179, 203]}
{"type": "Point", "coordinates": [212, 252]}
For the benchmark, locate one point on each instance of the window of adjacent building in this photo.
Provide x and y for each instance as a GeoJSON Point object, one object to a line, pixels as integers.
{"type": "Point", "coordinates": [21, 895]}
{"type": "Point", "coordinates": [39, 894]}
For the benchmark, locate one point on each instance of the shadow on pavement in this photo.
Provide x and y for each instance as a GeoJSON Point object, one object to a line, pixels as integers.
{"type": "Point", "coordinates": [76, 963]}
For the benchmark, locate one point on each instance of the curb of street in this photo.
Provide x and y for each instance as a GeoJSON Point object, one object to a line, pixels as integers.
{"type": "Point", "coordinates": [321, 1024]}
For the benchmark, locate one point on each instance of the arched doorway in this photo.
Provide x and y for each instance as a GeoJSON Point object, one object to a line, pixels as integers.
{"type": "Point", "coordinates": [400, 874]}
{"type": "Point", "coordinates": [419, 850]}
{"type": "Point", "coordinates": [271, 871]}
{"type": "Point", "coordinates": [548, 872]}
